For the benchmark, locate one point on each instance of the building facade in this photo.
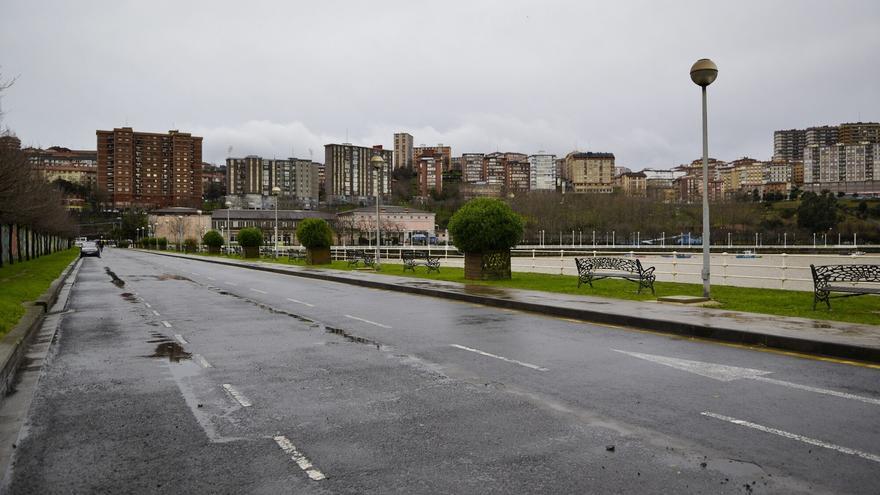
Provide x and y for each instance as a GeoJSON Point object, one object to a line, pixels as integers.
{"type": "Point", "coordinates": [442, 155]}
{"type": "Point", "coordinates": [398, 225]}
{"type": "Point", "coordinates": [75, 166]}
{"type": "Point", "coordinates": [350, 176]}
{"type": "Point", "coordinates": [230, 222]}
{"type": "Point", "coordinates": [789, 144]}
{"type": "Point", "coordinates": [589, 172]}
{"type": "Point", "coordinates": [472, 167]}
{"type": "Point", "coordinates": [633, 184]}
{"type": "Point", "coordinates": [149, 170]}
{"type": "Point", "coordinates": [429, 170]}
{"type": "Point", "coordinates": [297, 178]}
{"type": "Point", "coordinates": [403, 150]}
{"type": "Point", "coordinates": [542, 172]}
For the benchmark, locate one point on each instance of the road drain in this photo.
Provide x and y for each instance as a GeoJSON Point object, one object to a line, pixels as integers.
{"type": "Point", "coordinates": [118, 282]}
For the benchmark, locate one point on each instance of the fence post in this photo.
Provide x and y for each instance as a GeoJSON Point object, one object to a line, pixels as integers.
{"type": "Point", "coordinates": [533, 260]}
{"type": "Point", "coordinates": [561, 261]}
{"type": "Point", "coordinates": [674, 262]}
{"type": "Point", "coordinates": [782, 280]}
{"type": "Point", "coordinates": [724, 268]}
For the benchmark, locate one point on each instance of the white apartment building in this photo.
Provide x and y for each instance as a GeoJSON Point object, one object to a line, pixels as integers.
{"type": "Point", "coordinates": [542, 172]}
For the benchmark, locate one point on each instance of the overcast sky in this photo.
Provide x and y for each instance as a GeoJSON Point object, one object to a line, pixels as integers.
{"type": "Point", "coordinates": [269, 78]}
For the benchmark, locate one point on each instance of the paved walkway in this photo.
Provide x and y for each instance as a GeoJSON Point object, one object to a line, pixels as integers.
{"type": "Point", "coordinates": [829, 338]}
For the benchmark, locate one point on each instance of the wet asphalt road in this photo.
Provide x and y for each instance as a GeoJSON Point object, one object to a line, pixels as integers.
{"type": "Point", "coordinates": [188, 377]}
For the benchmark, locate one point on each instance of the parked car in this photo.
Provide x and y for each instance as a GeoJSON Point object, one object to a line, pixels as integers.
{"type": "Point", "coordinates": [80, 240]}
{"type": "Point", "coordinates": [89, 248]}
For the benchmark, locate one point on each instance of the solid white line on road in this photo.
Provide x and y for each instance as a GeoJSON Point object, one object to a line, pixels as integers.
{"type": "Point", "coordinates": [825, 391]}
{"type": "Point", "coordinates": [238, 396]}
{"type": "Point", "coordinates": [230, 283]}
{"type": "Point", "coordinates": [155, 312]}
{"type": "Point", "coordinates": [258, 290]}
{"type": "Point", "coordinates": [301, 302]}
{"type": "Point", "coordinates": [367, 321]}
{"type": "Point", "coordinates": [514, 361]}
{"type": "Point", "coordinates": [302, 461]}
{"type": "Point", "coordinates": [147, 304]}
{"type": "Point", "coordinates": [180, 339]}
{"type": "Point", "coordinates": [167, 325]}
{"type": "Point", "coordinates": [793, 436]}
{"type": "Point", "coordinates": [204, 362]}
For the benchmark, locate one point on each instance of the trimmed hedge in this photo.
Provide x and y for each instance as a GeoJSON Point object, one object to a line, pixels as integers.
{"type": "Point", "coordinates": [485, 225]}
{"type": "Point", "coordinates": [314, 233]}
{"type": "Point", "coordinates": [250, 237]}
{"type": "Point", "coordinates": [213, 239]}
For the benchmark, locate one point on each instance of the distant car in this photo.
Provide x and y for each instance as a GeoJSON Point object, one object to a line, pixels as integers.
{"type": "Point", "coordinates": [79, 241]}
{"type": "Point", "coordinates": [89, 248]}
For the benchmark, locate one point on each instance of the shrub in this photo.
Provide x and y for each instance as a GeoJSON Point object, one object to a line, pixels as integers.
{"type": "Point", "coordinates": [122, 244]}
{"type": "Point", "coordinates": [162, 242]}
{"type": "Point", "coordinates": [190, 245]}
{"type": "Point", "coordinates": [250, 237]}
{"type": "Point", "coordinates": [213, 239]}
{"type": "Point", "coordinates": [314, 233]}
{"type": "Point", "coordinates": [485, 225]}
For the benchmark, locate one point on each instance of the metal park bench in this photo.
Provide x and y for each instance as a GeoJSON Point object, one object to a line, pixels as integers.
{"type": "Point", "coordinates": [360, 256]}
{"type": "Point", "coordinates": [296, 255]}
{"type": "Point", "coordinates": [590, 269]}
{"type": "Point", "coordinates": [860, 280]}
{"type": "Point", "coordinates": [413, 258]}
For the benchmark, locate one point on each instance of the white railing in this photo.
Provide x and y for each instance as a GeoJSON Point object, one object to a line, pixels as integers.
{"type": "Point", "coordinates": [771, 271]}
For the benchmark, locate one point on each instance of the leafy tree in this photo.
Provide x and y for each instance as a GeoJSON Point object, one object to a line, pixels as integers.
{"type": "Point", "coordinates": [250, 237]}
{"type": "Point", "coordinates": [485, 225]}
{"type": "Point", "coordinates": [817, 213]}
{"type": "Point", "coordinates": [212, 239]}
{"type": "Point", "coordinates": [314, 233]}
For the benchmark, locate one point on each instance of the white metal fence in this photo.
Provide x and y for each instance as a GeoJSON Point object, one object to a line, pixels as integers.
{"type": "Point", "coordinates": [743, 269]}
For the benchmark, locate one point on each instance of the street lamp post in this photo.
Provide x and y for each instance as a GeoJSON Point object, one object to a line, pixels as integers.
{"type": "Point", "coordinates": [228, 207]}
{"type": "Point", "coordinates": [275, 192]}
{"type": "Point", "coordinates": [180, 233]}
{"type": "Point", "coordinates": [703, 73]}
{"type": "Point", "coordinates": [378, 164]}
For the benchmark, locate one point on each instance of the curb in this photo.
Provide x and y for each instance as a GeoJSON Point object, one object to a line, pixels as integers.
{"type": "Point", "coordinates": [15, 343]}
{"type": "Point", "coordinates": [723, 334]}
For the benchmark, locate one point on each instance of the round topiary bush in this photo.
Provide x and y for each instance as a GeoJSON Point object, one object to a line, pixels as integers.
{"type": "Point", "coordinates": [250, 239]}
{"type": "Point", "coordinates": [317, 237]}
{"type": "Point", "coordinates": [485, 229]}
{"type": "Point", "coordinates": [213, 240]}
{"type": "Point", "coordinates": [190, 245]}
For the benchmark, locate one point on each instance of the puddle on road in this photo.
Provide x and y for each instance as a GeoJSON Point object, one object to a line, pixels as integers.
{"type": "Point", "coordinates": [171, 276]}
{"type": "Point", "coordinates": [481, 319]}
{"type": "Point", "coordinates": [118, 282]}
{"type": "Point", "coordinates": [128, 296]}
{"type": "Point", "coordinates": [168, 348]}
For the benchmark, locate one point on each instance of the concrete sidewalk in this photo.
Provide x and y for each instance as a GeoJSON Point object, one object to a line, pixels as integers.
{"type": "Point", "coordinates": [821, 337]}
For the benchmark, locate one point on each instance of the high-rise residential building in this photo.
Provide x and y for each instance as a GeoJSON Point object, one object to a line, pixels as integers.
{"type": "Point", "coordinates": [150, 170]}
{"type": "Point", "coordinates": [633, 183]}
{"type": "Point", "coordinates": [441, 153]}
{"type": "Point", "coordinates": [778, 171]}
{"type": "Point", "coordinates": [430, 173]}
{"type": "Point", "coordinates": [350, 175]}
{"type": "Point", "coordinates": [859, 133]}
{"type": "Point", "coordinates": [542, 172]}
{"type": "Point", "coordinates": [297, 178]}
{"type": "Point", "coordinates": [842, 163]}
{"type": "Point", "coordinates": [494, 168]}
{"type": "Point", "coordinates": [789, 144]}
{"type": "Point", "coordinates": [825, 135]}
{"type": "Point", "coordinates": [517, 176]}
{"type": "Point", "coordinates": [589, 172]}
{"type": "Point", "coordinates": [472, 167]}
{"type": "Point", "coordinates": [403, 150]}
{"type": "Point", "coordinates": [75, 166]}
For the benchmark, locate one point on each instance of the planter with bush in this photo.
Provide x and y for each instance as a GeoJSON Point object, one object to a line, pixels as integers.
{"type": "Point", "coordinates": [162, 243]}
{"type": "Point", "coordinates": [317, 237]}
{"type": "Point", "coordinates": [250, 239]}
{"type": "Point", "coordinates": [213, 240]}
{"type": "Point", "coordinates": [485, 229]}
{"type": "Point", "coordinates": [190, 245]}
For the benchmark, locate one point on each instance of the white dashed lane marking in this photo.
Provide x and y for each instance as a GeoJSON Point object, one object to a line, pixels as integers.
{"type": "Point", "coordinates": [238, 396]}
{"type": "Point", "coordinates": [258, 290]}
{"type": "Point", "coordinates": [230, 283]}
{"type": "Point", "coordinates": [167, 325]}
{"type": "Point", "coordinates": [155, 312]}
{"type": "Point", "coordinates": [301, 302]}
{"type": "Point", "coordinates": [794, 436]}
{"type": "Point", "coordinates": [488, 354]}
{"type": "Point", "coordinates": [301, 460]}
{"type": "Point", "coordinates": [147, 304]}
{"type": "Point", "coordinates": [180, 339]}
{"type": "Point", "coordinates": [367, 321]}
{"type": "Point", "coordinates": [204, 362]}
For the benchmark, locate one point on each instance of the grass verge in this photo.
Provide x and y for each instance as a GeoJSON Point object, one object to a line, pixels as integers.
{"type": "Point", "coordinates": [26, 281]}
{"type": "Point", "coordinates": [862, 309]}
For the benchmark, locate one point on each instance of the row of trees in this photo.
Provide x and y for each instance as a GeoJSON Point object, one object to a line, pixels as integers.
{"type": "Point", "coordinates": [27, 199]}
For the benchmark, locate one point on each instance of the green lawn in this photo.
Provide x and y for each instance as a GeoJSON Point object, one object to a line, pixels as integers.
{"type": "Point", "coordinates": [27, 281]}
{"type": "Point", "coordinates": [861, 309]}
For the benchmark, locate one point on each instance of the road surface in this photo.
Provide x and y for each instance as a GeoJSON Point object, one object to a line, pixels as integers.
{"type": "Point", "coordinates": [177, 376]}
